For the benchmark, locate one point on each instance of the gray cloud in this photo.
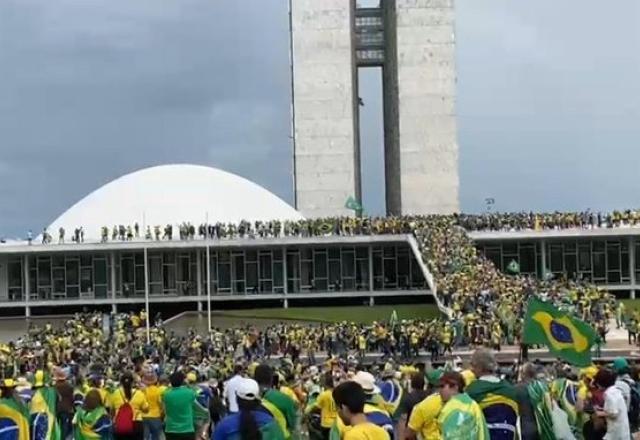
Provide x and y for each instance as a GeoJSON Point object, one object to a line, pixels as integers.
{"type": "Point", "coordinates": [92, 89]}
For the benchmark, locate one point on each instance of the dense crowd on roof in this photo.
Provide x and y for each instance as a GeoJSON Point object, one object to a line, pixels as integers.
{"type": "Point", "coordinates": [517, 221]}
{"type": "Point", "coordinates": [488, 221]}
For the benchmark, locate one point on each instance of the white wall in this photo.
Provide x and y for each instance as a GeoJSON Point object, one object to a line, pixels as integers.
{"type": "Point", "coordinates": [323, 77]}
{"type": "Point", "coordinates": [426, 105]}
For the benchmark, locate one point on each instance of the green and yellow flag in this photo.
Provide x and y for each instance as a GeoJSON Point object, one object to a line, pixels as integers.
{"type": "Point", "coordinates": [566, 337]}
{"type": "Point", "coordinates": [44, 424]}
{"type": "Point", "coordinates": [15, 419]}
{"type": "Point", "coordinates": [513, 267]}
{"type": "Point", "coordinates": [353, 205]}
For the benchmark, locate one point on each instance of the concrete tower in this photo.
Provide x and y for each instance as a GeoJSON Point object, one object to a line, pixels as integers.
{"type": "Point", "coordinates": [413, 42]}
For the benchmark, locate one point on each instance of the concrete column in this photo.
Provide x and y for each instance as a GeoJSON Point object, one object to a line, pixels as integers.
{"type": "Point", "coordinates": [543, 257]}
{"type": "Point", "coordinates": [285, 303]}
{"type": "Point", "coordinates": [284, 270]}
{"type": "Point", "coordinates": [199, 272]}
{"type": "Point", "coordinates": [200, 306]}
{"type": "Point", "coordinates": [208, 261]}
{"type": "Point", "coordinates": [114, 308]}
{"type": "Point", "coordinates": [27, 284]}
{"type": "Point", "coordinates": [372, 301]}
{"type": "Point", "coordinates": [370, 268]}
{"type": "Point", "coordinates": [114, 289]}
{"type": "Point", "coordinates": [632, 267]}
{"type": "Point", "coordinates": [27, 312]}
{"type": "Point", "coordinates": [146, 292]}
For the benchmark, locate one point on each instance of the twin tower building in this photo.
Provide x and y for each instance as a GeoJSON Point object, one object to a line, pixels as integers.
{"type": "Point", "coordinates": [413, 42]}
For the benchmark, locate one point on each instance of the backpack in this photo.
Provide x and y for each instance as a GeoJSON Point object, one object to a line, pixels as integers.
{"type": "Point", "coordinates": [634, 403]}
{"type": "Point", "coordinates": [123, 421]}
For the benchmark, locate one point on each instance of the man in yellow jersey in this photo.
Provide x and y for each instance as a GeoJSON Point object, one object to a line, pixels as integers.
{"type": "Point", "coordinates": [423, 419]}
{"type": "Point", "coordinates": [326, 405]}
{"type": "Point", "coordinates": [152, 419]}
{"type": "Point", "coordinates": [350, 399]}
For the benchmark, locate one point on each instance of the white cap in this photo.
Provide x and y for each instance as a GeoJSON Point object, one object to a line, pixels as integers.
{"type": "Point", "coordinates": [248, 389]}
{"type": "Point", "coordinates": [367, 382]}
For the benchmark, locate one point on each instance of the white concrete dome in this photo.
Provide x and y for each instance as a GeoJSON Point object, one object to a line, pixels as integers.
{"type": "Point", "coordinates": [173, 194]}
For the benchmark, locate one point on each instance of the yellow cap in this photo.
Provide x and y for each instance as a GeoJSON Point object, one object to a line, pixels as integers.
{"type": "Point", "coordinates": [38, 379]}
{"type": "Point", "coordinates": [9, 383]}
{"type": "Point", "coordinates": [191, 377]}
{"type": "Point", "coordinates": [589, 372]}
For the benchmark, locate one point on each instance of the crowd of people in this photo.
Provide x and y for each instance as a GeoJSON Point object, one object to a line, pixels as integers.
{"type": "Point", "coordinates": [84, 381]}
{"type": "Point", "coordinates": [518, 221]}
{"type": "Point", "coordinates": [488, 221]}
{"type": "Point", "coordinates": [484, 305]}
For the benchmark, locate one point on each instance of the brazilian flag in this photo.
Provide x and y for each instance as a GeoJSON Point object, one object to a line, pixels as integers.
{"type": "Point", "coordinates": [565, 336]}
{"type": "Point", "coordinates": [14, 420]}
{"type": "Point", "coordinates": [92, 425]}
{"type": "Point", "coordinates": [353, 205]}
{"type": "Point", "coordinates": [44, 425]}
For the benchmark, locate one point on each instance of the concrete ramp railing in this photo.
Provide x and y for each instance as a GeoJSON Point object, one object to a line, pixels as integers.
{"type": "Point", "coordinates": [415, 247]}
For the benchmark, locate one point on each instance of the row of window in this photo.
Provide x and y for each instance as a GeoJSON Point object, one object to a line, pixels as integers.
{"type": "Point", "coordinates": [598, 261]}
{"type": "Point", "coordinates": [230, 272]}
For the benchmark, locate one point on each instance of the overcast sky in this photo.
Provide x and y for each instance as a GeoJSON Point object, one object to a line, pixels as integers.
{"type": "Point", "coordinates": [548, 100]}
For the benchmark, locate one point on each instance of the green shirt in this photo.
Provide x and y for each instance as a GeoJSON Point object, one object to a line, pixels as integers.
{"type": "Point", "coordinates": [285, 404]}
{"type": "Point", "coordinates": [178, 409]}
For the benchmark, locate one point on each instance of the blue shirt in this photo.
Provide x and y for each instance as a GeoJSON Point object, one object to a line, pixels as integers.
{"type": "Point", "coordinates": [230, 425]}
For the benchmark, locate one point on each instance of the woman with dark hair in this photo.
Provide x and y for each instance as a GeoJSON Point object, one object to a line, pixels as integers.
{"type": "Point", "coordinates": [91, 421]}
{"type": "Point", "coordinates": [614, 411]}
{"type": "Point", "coordinates": [127, 405]}
{"type": "Point", "coordinates": [252, 422]}
{"type": "Point", "coordinates": [461, 417]}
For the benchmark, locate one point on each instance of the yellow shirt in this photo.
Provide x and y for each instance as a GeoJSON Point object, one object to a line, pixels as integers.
{"type": "Point", "coordinates": [154, 393]}
{"type": "Point", "coordinates": [138, 402]}
{"type": "Point", "coordinates": [424, 417]}
{"type": "Point", "coordinates": [328, 410]}
{"type": "Point", "coordinates": [366, 431]}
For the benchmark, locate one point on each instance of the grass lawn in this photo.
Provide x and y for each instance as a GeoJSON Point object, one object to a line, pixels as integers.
{"type": "Point", "coordinates": [362, 314]}
{"type": "Point", "coordinates": [631, 304]}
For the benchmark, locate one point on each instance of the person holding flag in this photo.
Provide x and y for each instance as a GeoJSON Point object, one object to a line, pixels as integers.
{"type": "Point", "coordinates": [460, 417]}
{"type": "Point", "coordinates": [92, 421]}
{"type": "Point", "coordinates": [43, 409]}
{"type": "Point", "coordinates": [354, 205]}
{"type": "Point", "coordinates": [497, 398]}
{"type": "Point", "coordinates": [535, 405]}
{"type": "Point", "coordinates": [14, 417]}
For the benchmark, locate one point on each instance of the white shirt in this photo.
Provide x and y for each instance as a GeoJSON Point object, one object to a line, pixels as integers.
{"type": "Point", "coordinates": [617, 419]}
{"type": "Point", "coordinates": [230, 389]}
{"type": "Point", "coordinates": [625, 390]}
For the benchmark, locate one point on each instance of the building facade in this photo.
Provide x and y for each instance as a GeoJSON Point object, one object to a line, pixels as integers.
{"type": "Point", "coordinates": [223, 270]}
{"type": "Point", "coordinates": [413, 42]}
{"type": "Point", "coordinates": [301, 269]}
{"type": "Point", "coordinates": [609, 258]}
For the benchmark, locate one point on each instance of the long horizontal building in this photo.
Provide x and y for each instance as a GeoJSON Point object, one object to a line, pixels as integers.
{"type": "Point", "coordinates": [284, 269]}
{"type": "Point", "coordinates": [47, 278]}
{"type": "Point", "coordinates": [183, 274]}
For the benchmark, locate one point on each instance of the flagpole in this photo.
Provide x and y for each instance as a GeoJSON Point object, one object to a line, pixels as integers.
{"type": "Point", "coordinates": [208, 288]}
{"type": "Point", "coordinates": [146, 292]}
